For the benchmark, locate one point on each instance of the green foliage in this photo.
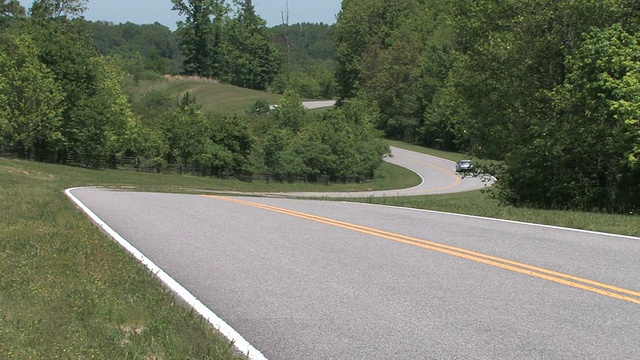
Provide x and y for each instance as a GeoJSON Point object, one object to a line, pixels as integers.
{"type": "Point", "coordinates": [151, 47]}
{"type": "Point", "coordinates": [253, 60]}
{"type": "Point", "coordinates": [30, 106]}
{"type": "Point", "coordinates": [10, 12]}
{"type": "Point", "coordinates": [585, 157]}
{"type": "Point", "coordinates": [51, 9]}
{"type": "Point", "coordinates": [338, 142]}
{"type": "Point", "coordinates": [309, 60]}
{"type": "Point", "coordinates": [201, 35]}
{"type": "Point", "coordinates": [546, 86]}
{"type": "Point", "coordinates": [400, 55]}
{"type": "Point", "coordinates": [260, 108]}
{"type": "Point", "coordinates": [234, 49]}
{"type": "Point", "coordinates": [290, 113]}
{"type": "Point", "coordinates": [98, 124]}
{"type": "Point", "coordinates": [220, 144]}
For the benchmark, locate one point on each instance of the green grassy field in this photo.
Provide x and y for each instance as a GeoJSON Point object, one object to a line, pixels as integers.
{"type": "Point", "coordinates": [215, 98]}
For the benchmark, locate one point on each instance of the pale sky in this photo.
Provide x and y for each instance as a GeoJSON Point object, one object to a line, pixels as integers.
{"type": "Point", "coordinates": [150, 11]}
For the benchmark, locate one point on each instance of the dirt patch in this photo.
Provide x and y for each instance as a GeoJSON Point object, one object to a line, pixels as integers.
{"type": "Point", "coordinates": [32, 174]}
{"type": "Point", "coordinates": [191, 78]}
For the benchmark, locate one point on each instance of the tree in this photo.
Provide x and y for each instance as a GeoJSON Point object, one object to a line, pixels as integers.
{"type": "Point", "coordinates": [276, 142]}
{"type": "Point", "coordinates": [30, 113]}
{"type": "Point", "coordinates": [10, 11]}
{"type": "Point", "coordinates": [98, 124]}
{"type": "Point", "coordinates": [201, 35]}
{"type": "Point", "coordinates": [231, 133]}
{"type": "Point", "coordinates": [310, 52]}
{"type": "Point", "coordinates": [253, 60]}
{"type": "Point", "coordinates": [147, 48]}
{"type": "Point", "coordinates": [290, 114]}
{"type": "Point", "coordinates": [48, 9]}
{"type": "Point", "coordinates": [587, 153]}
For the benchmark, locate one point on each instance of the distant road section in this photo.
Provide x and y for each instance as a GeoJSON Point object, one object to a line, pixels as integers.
{"type": "Point", "coordinates": [318, 104]}
{"type": "Point", "coordinates": [438, 177]}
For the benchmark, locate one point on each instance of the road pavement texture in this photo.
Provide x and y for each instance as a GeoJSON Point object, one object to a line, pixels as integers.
{"type": "Point", "coordinates": [310, 279]}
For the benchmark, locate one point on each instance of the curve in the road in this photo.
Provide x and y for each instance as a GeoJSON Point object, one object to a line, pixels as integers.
{"type": "Point", "coordinates": [313, 279]}
{"type": "Point", "coordinates": [438, 177]}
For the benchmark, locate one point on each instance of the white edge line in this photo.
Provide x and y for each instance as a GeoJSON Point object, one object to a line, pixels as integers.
{"type": "Point", "coordinates": [501, 220]}
{"type": "Point", "coordinates": [238, 341]}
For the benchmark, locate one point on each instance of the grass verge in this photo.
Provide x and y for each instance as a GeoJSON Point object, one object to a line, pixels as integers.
{"type": "Point", "coordinates": [68, 291]}
{"type": "Point", "coordinates": [480, 204]}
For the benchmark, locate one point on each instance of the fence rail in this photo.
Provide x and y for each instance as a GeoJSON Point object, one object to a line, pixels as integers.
{"type": "Point", "coordinates": [157, 166]}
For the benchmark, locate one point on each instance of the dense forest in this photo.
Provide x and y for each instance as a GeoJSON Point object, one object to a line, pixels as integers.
{"type": "Point", "coordinates": [65, 96]}
{"type": "Point", "coordinates": [549, 88]}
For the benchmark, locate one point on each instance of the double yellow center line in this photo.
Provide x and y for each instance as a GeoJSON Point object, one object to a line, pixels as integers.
{"type": "Point", "coordinates": [557, 277]}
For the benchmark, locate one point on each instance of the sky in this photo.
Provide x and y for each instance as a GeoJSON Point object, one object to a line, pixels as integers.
{"type": "Point", "coordinates": [150, 11]}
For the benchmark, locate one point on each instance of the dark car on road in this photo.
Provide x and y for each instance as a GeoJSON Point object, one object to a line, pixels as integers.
{"type": "Point", "coordinates": [465, 166]}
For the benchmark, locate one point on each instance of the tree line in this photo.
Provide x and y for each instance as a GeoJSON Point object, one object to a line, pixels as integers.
{"type": "Point", "coordinates": [62, 100]}
{"type": "Point", "coordinates": [304, 53]}
{"type": "Point", "coordinates": [548, 87]}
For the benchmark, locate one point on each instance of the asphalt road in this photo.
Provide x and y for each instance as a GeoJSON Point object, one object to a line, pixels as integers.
{"type": "Point", "coordinates": [302, 279]}
{"type": "Point", "coordinates": [438, 177]}
{"type": "Point", "coordinates": [318, 104]}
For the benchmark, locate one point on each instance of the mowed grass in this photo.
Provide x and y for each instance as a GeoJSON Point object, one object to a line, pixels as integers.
{"type": "Point", "coordinates": [69, 291]}
{"type": "Point", "coordinates": [215, 98]}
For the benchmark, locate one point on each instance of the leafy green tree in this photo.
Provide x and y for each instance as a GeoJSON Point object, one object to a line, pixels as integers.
{"type": "Point", "coordinates": [47, 9]}
{"type": "Point", "coordinates": [340, 142]}
{"type": "Point", "coordinates": [96, 113]}
{"type": "Point", "coordinates": [152, 47]}
{"type": "Point", "coordinates": [586, 155]}
{"type": "Point", "coordinates": [215, 144]}
{"type": "Point", "coordinates": [30, 113]}
{"type": "Point", "coordinates": [308, 60]}
{"type": "Point", "coordinates": [186, 131]}
{"type": "Point", "coordinates": [399, 53]}
{"type": "Point", "coordinates": [201, 35]}
{"type": "Point", "coordinates": [290, 114]}
{"type": "Point", "coordinates": [276, 142]}
{"type": "Point", "coordinates": [231, 133]}
{"type": "Point", "coordinates": [307, 154]}
{"type": "Point", "coordinates": [98, 124]}
{"type": "Point", "coordinates": [253, 60]}
{"type": "Point", "coordinates": [10, 12]}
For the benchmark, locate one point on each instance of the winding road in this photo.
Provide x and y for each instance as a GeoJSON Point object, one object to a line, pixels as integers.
{"type": "Point", "coordinates": [312, 279]}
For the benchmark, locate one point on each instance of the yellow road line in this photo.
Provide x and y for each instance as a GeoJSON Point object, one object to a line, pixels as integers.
{"type": "Point", "coordinates": [558, 277]}
{"type": "Point", "coordinates": [457, 179]}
